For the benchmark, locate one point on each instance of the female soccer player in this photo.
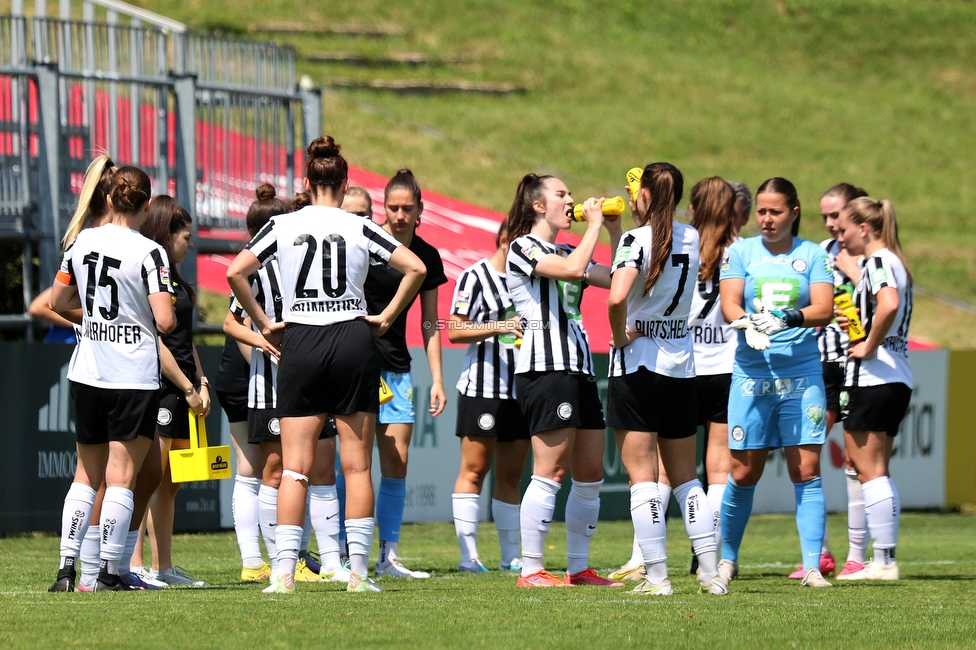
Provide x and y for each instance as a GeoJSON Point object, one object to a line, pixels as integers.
{"type": "Point", "coordinates": [879, 377]}
{"type": "Point", "coordinates": [403, 208]}
{"type": "Point", "coordinates": [358, 202]}
{"type": "Point", "coordinates": [651, 399]}
{"type": "Point", "coordinates": [184, 387]}
{"type": "Point", "coordinates": [742, 206]}
{"type": "Point", "coordinates": [264, 424]}
{"type": "Point", "coordinates": [776, 288]}
{"type": "Point", "coordinates": [328, 364]}
{"type": "Point", "coordinates": [554, 380]}
{"type": "Point", "coordinates": [120, 279]}
{"type": "Point", "coordinates": [489, 421]}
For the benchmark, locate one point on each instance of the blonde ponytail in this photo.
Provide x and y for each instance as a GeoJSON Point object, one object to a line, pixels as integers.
{"type": "Point", "coordinates": [92, 200]}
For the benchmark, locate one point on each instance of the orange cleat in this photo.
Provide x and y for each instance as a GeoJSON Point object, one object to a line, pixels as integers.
{"type": "Point", "coordinates": [541, 579]}
{"type": "Point", "coordinates": [589, 577]}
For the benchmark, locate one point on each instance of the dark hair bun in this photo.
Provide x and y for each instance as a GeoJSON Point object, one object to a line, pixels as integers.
{"type": "Point", "coordinates": [264, 192]}
{"type": "Point", "coordinates": [324, 147]}
{"type": "Point", "coordinates": [404, 172]}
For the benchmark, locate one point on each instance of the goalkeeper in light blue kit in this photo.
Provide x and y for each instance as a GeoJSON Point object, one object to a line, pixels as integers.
{"type": "Point", "coordinates": [775, 288]}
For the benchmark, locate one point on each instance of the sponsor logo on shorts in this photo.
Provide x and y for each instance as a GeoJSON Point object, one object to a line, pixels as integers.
{"type": "Point", "coordinates": [738, 434]}
{"type": "Point", "coordinates": [218, 464]}
{"type": "Point", "coordinates": [789, 388]}
{"type": "Point", "coordinates": [799, 266]}
{"type": "Point", "coordinates": [408, 393]}
{"type": "Point", "coordinates": [164, 417]}
{"type": "Point", "coordinates": [274, 426]}
{"type": "Point", "coordinates": [486, 421]}
{"type": "Point", "coordinates": [565, 411]}
{"type": "Point", "coordinates": [815, 414]}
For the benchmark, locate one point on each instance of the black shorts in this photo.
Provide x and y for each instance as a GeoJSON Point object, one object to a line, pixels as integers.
{"type": "Point", "coordinates": [105, 415]}
{"type": "Point", "coordinates": [263, 426]}
{"type": "Point", "coordinates": [173, 417]}
{"type": "Point", "coordinates": [328, 369]}
{"type": "Point", "coordinates": [833, 378]}
{"type": "Point", "coordinates": [559, 399]}
{"type": "Point", "coordinates": [486, 416]}
{"type": "Point", "coordinates": [712, 393]}
{"type": "Point", "coordinates": [877, 408]}
{"type": "Point", "coordinates": [647, 401]}
{"type": "Point", "coordinates": [234, 405]}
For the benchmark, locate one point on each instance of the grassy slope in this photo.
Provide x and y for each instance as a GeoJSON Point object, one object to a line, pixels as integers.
{"type": "Point", "coordinates": [879, 93]}
{"type": "Point", "coordinates": [933, 606]}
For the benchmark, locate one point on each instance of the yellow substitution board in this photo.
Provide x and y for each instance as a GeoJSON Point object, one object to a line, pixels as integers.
{"type": "Point", "coordinates": [960, 441]}
{"type": "Point", "coordinates": [200, 462]}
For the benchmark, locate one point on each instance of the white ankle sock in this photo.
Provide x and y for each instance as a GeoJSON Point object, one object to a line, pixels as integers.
{"type": "Point", "coordinates": [535, 518]}
{"type": "Point", "coordinates": [648, 516]}
{"type": "Point", "coordinates": [700, 525]}
{"type": "Point", "coordinates": [465, 508]}
{"type": "Point", "coordinates": [882, 515]}
{"type": "Point", "coordinates": [582, 514]}
{"type": "Point", "coordinates": [506, 516]}
{"type": "Point", "coordinates": [244, 504]}
{"type": "Point", "coordinates": [268, 518]}
{"type": "Point", "coordinates": [323, 508]}
{"type": "Point", "coordinates": [359, 537]}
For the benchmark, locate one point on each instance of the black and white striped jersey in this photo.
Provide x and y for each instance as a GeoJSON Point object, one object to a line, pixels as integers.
{"type": "Point", "coordinates": [481, 294]}
{"type": "Point", "coordinates": [662, 315]}
{"type": "Point", "coordinates": [116, 270]}
{"type": "Point", "coordinates": [890, 364]}
{"type": "Point", "coordinates": [323, 255]}
{"type": "Point", "coordinates": [832, 339]}
{"type": "Point", "coordinates": [713, 338]}
{"type": "Point", "coordinates": [553, 337]}
{"type": "Point", "coordinates": [261, 387]}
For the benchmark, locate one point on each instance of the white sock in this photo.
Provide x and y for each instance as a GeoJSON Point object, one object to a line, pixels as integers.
{"type": "Point", "coordinates": [116, 517]}
{"type": "Point", "coordinates": [288, 541]}
{"type": "Point", "coordinates": [130, 546]}
{"type": "Point", "coordinates": [506, 516]}
{"type": "Point", "coordinates": [715, 493]}
{"type": "Point", "coordinates": [246, 524]}
{"type": "Point", "coordinates": [535, 518]}
{"type": "Point", "coordinates": [582, 513]}
{"type": "Point", "coordinates": [894, 490]}
{"type": "Point", "coordinates": [665, 491]}
{"type": "Point", "coordinates": [90, 561]}
{"type": "Point", "coordinates": [323, 508]}
{"type": "Point", "coordinates": [636, 556]}
{"type": "Point", "coordinates": [857, 523]}
{"type": "Point", "coordinates": [388, 549]}
{"type": "Point", "coordinates": [881, 509]}
{"type": "Point", "coordinates": [700, 525]}
{"type": "Point", "coordinates": [268, 518]}
{"type": "Point", "coordinates": [307, 526]}
{"type": "Point", "coordinates": [648, 516]}
{"type": "Point", "coordinates": [359, 537]}
{"type": "Point", "coordinates": [465, 508]}
{"type": "Point", "coordinates": [75, 518]}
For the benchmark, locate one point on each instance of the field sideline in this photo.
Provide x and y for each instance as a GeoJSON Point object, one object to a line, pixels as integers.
{"type": "Point", "coordinates": [934, 605]}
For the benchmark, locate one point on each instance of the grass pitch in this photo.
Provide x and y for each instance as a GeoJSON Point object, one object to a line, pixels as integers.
{"type": "Point", "coordinates": [934, 605]}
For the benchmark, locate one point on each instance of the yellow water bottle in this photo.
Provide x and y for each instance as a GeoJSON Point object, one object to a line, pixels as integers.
{"type": "Point", "coordinates": [611, 208]}
{"type": "Point", "coordinates": [844, 304]}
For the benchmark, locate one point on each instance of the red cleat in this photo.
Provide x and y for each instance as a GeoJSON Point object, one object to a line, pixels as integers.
{"type": "Point", "coordinates": [589, 577]}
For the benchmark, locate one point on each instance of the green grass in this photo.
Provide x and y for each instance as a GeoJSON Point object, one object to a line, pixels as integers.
{"type": "Point", "coordinates": [934, 605]}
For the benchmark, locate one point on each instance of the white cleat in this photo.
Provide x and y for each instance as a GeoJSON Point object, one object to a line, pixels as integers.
{"type": "Point", "coordinates": [339, 574]}
{"type": "Point", "coordinates": [148, 576]}
{"type": "Point", "coordinates": [646, 588]}
{"type": "Point", "coordinates": [178, 576]}
{"type": "Point", "coordinates": [281, 584]}
{"type": "Point", "coordinates": [813, 578]}
{"type": "Point", "coordinates": [728, 570]}
{"type": "Point", "coordinates": [716, 586]}
{"type": "Point", "coordinates": [363, 585]}
{"type": "Point", "coordinates": [395, 569]}
{"type": "Point", "coordinates": [514, 565]}
{"type": "Point", "coordinates": [876, 571]}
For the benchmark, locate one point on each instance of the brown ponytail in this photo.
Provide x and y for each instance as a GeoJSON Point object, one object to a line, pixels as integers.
{"type": "Point", "coordinates": [713, 200]}
{"type": "Point", "coordinates": [666, 185]}
{"type": "Point", "coordinates": [522, 216]}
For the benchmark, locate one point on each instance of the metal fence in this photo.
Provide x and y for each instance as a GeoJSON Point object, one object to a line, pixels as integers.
{"type": "Point", "coordinates": [208, 118]}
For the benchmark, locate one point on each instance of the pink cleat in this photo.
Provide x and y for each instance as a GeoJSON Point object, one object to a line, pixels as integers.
{"type": "Point", "coordinates": [827, 566]}
{"type": "Point", "coordinates": [850, 568]}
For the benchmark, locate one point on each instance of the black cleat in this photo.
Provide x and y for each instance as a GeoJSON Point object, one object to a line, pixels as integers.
{"type": "Point", "coordinates": [693, 571]}
{"type": "Point", "coordinates": [112, 584]}
{"type": "Point", "coordinates": [63, 583]}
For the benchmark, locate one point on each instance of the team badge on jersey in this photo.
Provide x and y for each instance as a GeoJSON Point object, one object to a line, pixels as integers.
{"type": "Point", "coordinates": [486, 421]}
{"type": "Point", "coordinates": [164, 417]}
{"type": "Point", "coordinates": [738, 434]}
{"type": "Point", "coordinates": [164, 275]}
{"type": "Point", "coordinates": [565, 411]}
{"type": "Point", "coordinates": [463, 300]}
{"type": "Point", "coordinates": [799, 266]}
{"type": "Point", "coordinates": [274, 426]}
